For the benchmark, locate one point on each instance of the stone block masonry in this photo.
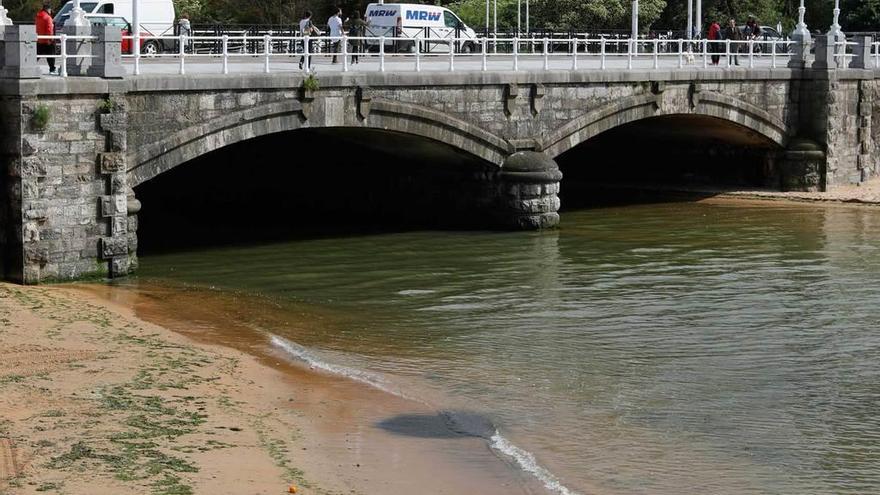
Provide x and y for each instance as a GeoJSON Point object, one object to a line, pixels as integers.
{"type": "Point", "coordinates": [68, 184]}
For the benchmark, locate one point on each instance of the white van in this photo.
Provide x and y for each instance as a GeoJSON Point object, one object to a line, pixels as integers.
{"type": "Point", "coordinates": [404, 20]}
{"type": "Point", "coordinates": [156, 18]}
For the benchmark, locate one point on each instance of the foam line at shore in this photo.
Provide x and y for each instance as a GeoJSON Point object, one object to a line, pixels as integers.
{"type": "Point", "coordinates": [302, 354]}
{"type": "Point", "coordinates": [524, 459]}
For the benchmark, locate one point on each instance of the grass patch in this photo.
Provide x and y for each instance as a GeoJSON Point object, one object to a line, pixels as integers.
{"type": "Point", "coordinates": [136, 452]}
{"type": "Point", "coordinates": [278, 450]}
{"type": "Point", "coordinates": [11, 379]}
{"type": "Point", "coordinates": [48, 486]}
{"type": "Point", "coordinates": [40, 118]}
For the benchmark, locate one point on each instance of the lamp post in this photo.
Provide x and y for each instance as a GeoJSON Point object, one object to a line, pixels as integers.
{"type": "Point", "coordinates": [690, 26]}
{"type": "Point", "coordinates": [527, 16]}
{"type": "Point", "coordinates": [136, 34]}
{"type": "Point", "coordinates": [487, 17]}
{"type": "Point", "coordinates": [801, 33]}
{"type": "Point", "coordinates": [518, 17]}
{"type": "Point", "coordinates": [698, 22]}
{"type": "Point", "coordinates": [4, 19]}
{"type": "Point", "coordinates": [495, 21]}
{"type": "Point", "coordinates": [835, 31]}
{"type": "Point", "coordinates": [77, 16]}
{"type": "Point", "coordinates": [635, 19]}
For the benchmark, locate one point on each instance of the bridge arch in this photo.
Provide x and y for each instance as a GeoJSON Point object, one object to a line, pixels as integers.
{"type": "Point", "coordinates": [711, 105]}
{"type": "Point", "coordinates": [153, 159]}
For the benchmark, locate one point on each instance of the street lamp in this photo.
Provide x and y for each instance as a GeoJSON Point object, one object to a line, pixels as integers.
{"type": "Point", "coordinates": [487, 17]}
{"type": "Point", "coordinates": [4, 19]}
{"type": "Point", "coordinates": [835, 31]}
{"type": "Point", "coordinates": [136, 34]}
{"type": "Point", "coordinates": [518, 17]}
{"type": "Point", "coordinates": [527, 16]}
{"type": "Point", "coordinates": [690, 26]}
{"type": "Point", "coordinates": [698, 23]}
{"type": "Point", "coordinates": [77, 16]}
{"type": "Point", "coordinates": [801, 33]}
{"type": "Point", "coordinates": [635, 20]}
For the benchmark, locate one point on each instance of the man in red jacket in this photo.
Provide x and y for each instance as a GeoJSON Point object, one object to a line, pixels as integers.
{"type": "Point", "coordinates": [46, 27]}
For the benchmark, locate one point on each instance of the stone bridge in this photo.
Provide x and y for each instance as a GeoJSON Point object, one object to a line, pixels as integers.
{"type": "Point", "coordinates": [73, 150]}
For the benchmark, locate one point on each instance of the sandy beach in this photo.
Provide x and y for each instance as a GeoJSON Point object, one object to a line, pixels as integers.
{"type": "Point", "coordinates": [95, 399]}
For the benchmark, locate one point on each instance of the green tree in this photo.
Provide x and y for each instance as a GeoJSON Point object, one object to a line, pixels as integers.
{"type": "Point", "coordinates": [578, 15]}
{"type": "Point", "coordinates": [860, 15]}
{"type": "Point", "coordinates": [473, 13]}
{"type": "Point", "coordinates": [21, 11]}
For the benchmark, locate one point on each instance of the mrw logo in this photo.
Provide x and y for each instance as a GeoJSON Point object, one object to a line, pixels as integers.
{"type": "Point", "coordinates": [382, 13]}
{"type": "Point", "coordinates": [422, 15]}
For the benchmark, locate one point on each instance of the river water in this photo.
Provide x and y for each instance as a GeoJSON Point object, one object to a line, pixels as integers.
{"type": "Point", "coordinates": [711, 347]}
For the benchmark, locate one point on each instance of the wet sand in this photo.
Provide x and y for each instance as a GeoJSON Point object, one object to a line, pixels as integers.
{"type": "Point", "coordinates": [867, 193]}
{"type": "Point", "coordinates": [151, 390]}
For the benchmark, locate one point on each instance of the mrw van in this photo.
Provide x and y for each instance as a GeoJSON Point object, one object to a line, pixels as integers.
{"type": "Point", "coordinates": [433, 27]}
{"type": "Point", "coordinates": [156, 19]}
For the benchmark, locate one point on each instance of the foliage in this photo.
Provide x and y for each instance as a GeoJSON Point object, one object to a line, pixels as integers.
{"type": "Point", "coordinates": [473, 13]}
{"type": "Point", "coordinates": [860, 15]}
{"type": "Point", "coordinates": [561, 15]}
{"type": "Point", "coordinates": [856, 15]}
{"type": "Point", "coordinates": [564, 15]}
{"type": "Point", "coordinates": [107, 105]}
{"type": "Point", "coordinates": [22, 11]}
{"type": "Point", "coordinates": [40, 117]}
{"type": "Point", "coordinates": [190, 8]}
{"type": "Point", "coordinates": [311, 83]}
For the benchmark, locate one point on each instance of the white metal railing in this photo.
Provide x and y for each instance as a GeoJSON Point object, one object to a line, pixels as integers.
{"type": "Point", "coordinates": [61, 54]}
{"type": "Point", "coordinates": [268, 53]}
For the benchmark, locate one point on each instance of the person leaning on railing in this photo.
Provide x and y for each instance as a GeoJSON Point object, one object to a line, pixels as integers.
{"type": "Point", "coordinates": [46, 27]}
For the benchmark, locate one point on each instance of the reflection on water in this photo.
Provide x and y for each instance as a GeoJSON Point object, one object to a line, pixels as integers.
{"type": "Point", "coordinates": [675, 348]}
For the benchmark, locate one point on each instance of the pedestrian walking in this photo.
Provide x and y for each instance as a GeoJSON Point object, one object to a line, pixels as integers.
{"type": "Point", "coordinates": [334, 24]}
{"type": "Point", "coordinates": [306, 28]}
{"type": "Point", "coordinates": [46, 27]}
{"type": "Point", "coordinates": [357, 28]}
{"type": "Point", "coordinates": [713, 34]}
{"type": "Point", "coordinates": [735, 35]}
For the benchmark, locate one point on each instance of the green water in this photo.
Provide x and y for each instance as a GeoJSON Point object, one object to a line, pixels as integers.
{"type": "Point", "coordinates": [663, 349]}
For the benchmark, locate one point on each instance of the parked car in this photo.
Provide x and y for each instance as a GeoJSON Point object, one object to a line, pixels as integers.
{"type": "Point", "coordinates": [116, 21]}
{"type": "Point", "coordinates": [156, 19]}
{"type": "Point", "coordinates": [768, 36]}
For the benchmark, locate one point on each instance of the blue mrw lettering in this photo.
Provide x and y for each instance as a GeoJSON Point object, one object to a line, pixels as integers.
{"type": "Point", "coordinates": [422, 15]}
{"type": "Point", "coordinates": [382, 13]}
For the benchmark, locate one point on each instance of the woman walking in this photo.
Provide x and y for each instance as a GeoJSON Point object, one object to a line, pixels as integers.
{"type": "Point", "coordinates": [306, 28]}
